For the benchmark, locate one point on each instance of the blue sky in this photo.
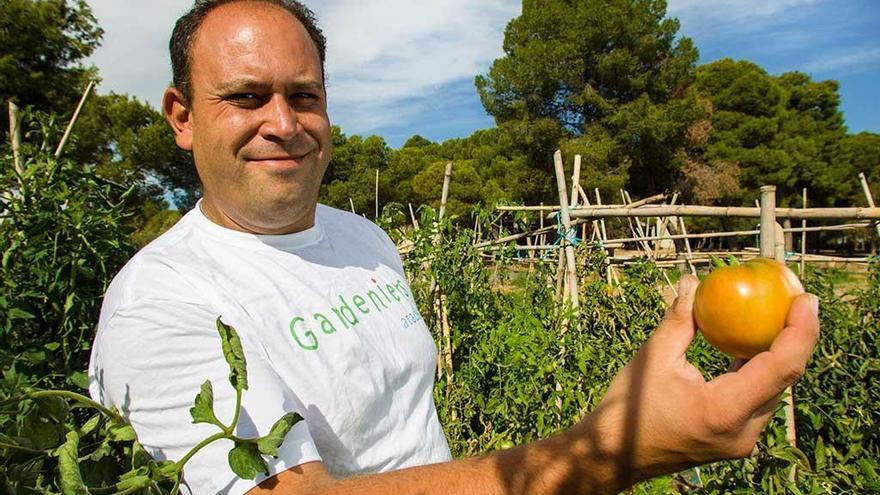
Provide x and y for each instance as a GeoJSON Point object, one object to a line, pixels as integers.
{"type": "Point", "coordinates": [398, 67]}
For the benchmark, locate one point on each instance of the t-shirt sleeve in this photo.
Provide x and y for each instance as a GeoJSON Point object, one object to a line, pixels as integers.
{"type": "Point", "coordinates": [150, 359]}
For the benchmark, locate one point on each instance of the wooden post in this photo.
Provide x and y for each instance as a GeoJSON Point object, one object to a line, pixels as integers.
{"type": "Point", "coordinates": [543, 238]}
{"type": "Point", "coordinates": [413, 216]}
{"type": "Point", "coordinates": [566, 225]}
{"type": "Point", "coordinates": [773, 246]}
{"type": "Point", "coordinates": [66, 135]}
{"type": "Point", "coordinates": [15, 136]}
{"type": "Point", "coordinates": [442, 314]}
{"type": "Point", "coordinates": [687, 245]}
{"type": "Point", "coordinates": [602, 221]}
{"type": "Point", "coordinates": [768, 221]}
{"type": "Point", "coordinates": [575, 180]}
{"type": "Point", "coordinates": [628, 201]}
{"type": "Point", "coordinates": [868, 196]}
{"type": "Point", "coordinates": [803, 238]}
{"type": "Point", "coordinates": [447, 176]}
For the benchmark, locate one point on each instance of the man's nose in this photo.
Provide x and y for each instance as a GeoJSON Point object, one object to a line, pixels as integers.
{"type": "Point", "coordinates": [280, 122]}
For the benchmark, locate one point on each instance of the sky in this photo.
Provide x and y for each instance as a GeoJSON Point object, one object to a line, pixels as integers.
{"type": "Point", "coordinates": [401, 67]}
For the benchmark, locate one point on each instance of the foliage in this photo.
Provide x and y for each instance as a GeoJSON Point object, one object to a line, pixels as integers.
{"type": "Point", "coordinates": [54, 441]}
{"type": "Point", "coordinates": [44, 44]}
{"type": "Point", "coordinates": [611, 72]}
{"type": "Point", "coordinates": [518, 376]}
{"type": "Point", "coordinates": [132, 144]}
{"type": "Point", "coordinates": [784, 130]}
{"type": "Point", "coordinates": [155, 226]}
{"type": "Point", "coordinates": [62, 239]}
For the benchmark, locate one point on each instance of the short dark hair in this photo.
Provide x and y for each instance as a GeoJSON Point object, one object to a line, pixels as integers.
{"type": "Point", "coordinates": [187, 27]}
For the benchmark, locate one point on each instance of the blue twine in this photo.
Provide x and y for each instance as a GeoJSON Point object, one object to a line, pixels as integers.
{"type": "Point", "coordinates": [571, 236]}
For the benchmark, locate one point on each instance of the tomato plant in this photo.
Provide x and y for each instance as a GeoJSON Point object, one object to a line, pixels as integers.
{"type": "Point", "coordinates": [740, 308]}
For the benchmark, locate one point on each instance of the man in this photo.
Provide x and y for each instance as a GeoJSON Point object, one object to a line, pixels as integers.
{"type": "Point", "coordinates": [324, 313]}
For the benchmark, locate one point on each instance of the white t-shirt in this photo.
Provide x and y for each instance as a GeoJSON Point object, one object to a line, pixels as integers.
{"type": "Point", "coordinates": [329, 329]}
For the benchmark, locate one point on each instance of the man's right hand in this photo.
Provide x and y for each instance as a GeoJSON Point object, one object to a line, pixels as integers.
{"type": "Point", "coordinates": [659, 415]}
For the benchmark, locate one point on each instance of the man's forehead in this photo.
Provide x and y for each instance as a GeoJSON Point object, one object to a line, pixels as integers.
{"type": "Point", "coordinates": [253, 35]}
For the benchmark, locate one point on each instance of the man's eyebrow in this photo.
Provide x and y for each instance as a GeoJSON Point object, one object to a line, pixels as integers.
{"type": "Point", "coordinates": [238, 84]}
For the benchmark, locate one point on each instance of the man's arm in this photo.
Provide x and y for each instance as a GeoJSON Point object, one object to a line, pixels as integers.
{"type": "Point", "coordinates": [658, 416]}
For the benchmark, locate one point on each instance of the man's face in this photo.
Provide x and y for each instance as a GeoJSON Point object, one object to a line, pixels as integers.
{"type": "Point", "coordinates": [260, 134]}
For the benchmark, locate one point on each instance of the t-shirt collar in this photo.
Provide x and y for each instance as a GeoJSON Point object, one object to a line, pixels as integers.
{"type": "Point", "coordinates": [285, 242]}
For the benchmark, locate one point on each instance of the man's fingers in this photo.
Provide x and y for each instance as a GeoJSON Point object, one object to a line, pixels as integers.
{"type": "Point", "coordinates": [677, 330]}
{"type": "Point", "coordinates": [765, 376]}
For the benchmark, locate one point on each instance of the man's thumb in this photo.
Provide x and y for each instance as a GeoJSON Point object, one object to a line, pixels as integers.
{"type": "Point", "coordinates": [678, 328]}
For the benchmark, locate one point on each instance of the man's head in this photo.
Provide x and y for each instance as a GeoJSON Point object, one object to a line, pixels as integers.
{"type": "Point", "coordinates": [187, 27]}
{"type": "Point", "coordinates": [255, 116]}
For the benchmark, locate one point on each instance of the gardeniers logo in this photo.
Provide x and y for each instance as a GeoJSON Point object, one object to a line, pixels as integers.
{"type": "Point", "coordinates": [351, 310]}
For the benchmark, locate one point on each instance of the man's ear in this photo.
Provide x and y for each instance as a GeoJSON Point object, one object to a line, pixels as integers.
{"type": "Point", "coordinates": [179, 116]}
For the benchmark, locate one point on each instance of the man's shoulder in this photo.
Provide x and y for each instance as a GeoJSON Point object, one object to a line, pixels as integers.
{"type": "Point", "coordinates": [161, 269]}
{"type": "Point", "coordinates": [340, 222]}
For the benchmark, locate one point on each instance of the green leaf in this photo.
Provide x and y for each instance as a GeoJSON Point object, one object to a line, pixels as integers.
{"type": "Point", "coordinates": [90, 425]}
{"type": "Point", "coordinates": [42, 434]}
{"type": "Point", "coordinates": [68, 303]}
{"type": "Point", "coordinates": [246, 462]}
{"type": "Point", "coordinates": [269, 444]}
{"type": "Point", "coordinates": [79, 379]}
{"type": "Point", "coordinates": [16, 313]}
{"type": "Point", "coordinates": [69, 475]}
{"type": "Point", "coordinates": [53, 407]}
{"type": "Point", "coordinates": [203, 406]}
{"type": "Point", "coordinates": [122, 433]}
{"type": "Point", "coordinates": [133, 482]}
{"type": "Point", "coordinates": [234, 355]}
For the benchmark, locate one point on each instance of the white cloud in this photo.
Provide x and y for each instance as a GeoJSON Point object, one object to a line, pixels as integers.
{"type": "Point", "coordinates": [381, 56]}
{"type": "Point", "coordinates": [733, 10]}
{"type": "Point", "coordinates": [848, 61]}
{"type": "Point", "coordinates": [721, 17]}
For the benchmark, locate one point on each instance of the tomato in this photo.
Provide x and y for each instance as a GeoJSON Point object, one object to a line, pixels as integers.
{"type": "Point", "coordinates": [741, 308]}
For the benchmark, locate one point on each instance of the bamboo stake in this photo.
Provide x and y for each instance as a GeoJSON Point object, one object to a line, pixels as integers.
{"type": "Point", "coordinates": [768, 221]}
{"type": "Point", "coordinates": [561, 274]}
{"type": "Point", "coordinates": [15, 136]}
{"type": "Point", "coordinates": [566, 224]}
{"type": "Point", "coordinates": [443, 316]}
{"type": "Point", "coordinates": [638, 224]}
{"type": "Point", "coordinates": [377, 193]}
{"type": "Point", "coordinates": [773, 246]}
{"type": "Point", "coordinates": [351, 202]}
{"type": "Point", "coordinates": [729, 211]}
{"type": "Point", "coordinates": [575, 181]}
{"type": "Point", "coordinates": [413, 216]}
{"type": "Point", "coordinates": [868, 195]}
{"type": "Point", "coordinates": [66, 135]}
{"type": "Point", "coordinates": [602, 221]}
{"type": "Point", "coordinates": [803, 237]}
{"type": "Point", "coordinates": [687, 245]}
{"type": "Point", "coordinates": [735, 233]}
{"type": "Point", "coordinates": [543, 238]}
{"type": "Point", "coordinates": [444, 195]}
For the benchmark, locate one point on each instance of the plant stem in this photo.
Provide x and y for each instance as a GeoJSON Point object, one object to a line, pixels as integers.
{"type": "Point", "coordinates": [216, 436]}
{"type": "Point", "coordinates": [19, 447]}
{"type": "Point", "coordinates": [67, 395]}
{"type": "Point", "coordinates": [231, 429]}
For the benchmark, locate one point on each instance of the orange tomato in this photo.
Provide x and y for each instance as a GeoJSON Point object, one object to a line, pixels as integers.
{"type": "Point", "coordinates": [741, 308]}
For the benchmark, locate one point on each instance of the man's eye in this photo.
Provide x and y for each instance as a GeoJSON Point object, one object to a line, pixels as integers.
{"type": "Point", "coordinates": [244, 98]}
{"type": "Point", "coordinates": [305, 96]}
